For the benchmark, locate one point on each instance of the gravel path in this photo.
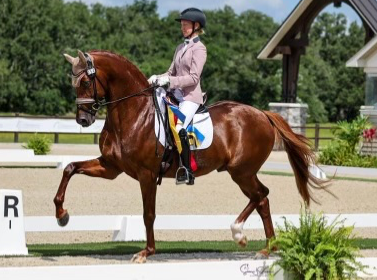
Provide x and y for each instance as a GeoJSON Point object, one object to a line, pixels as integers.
{"type": "Point", "coordinates": [213, 194]}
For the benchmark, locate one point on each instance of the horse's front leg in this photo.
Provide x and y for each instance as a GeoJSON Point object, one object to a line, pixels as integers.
{"type": "Point", "coordinates": [95, 168]}
{"type": "Point", "coordinates": [148, 190]}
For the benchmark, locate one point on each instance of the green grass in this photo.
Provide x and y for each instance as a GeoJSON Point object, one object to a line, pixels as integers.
{"type": "Point", "coordinates": [322, 133]}
{"type": "Point", "coordinates": [124, 248]}
{"type": "Point", "coordinates": [163, 247]}
{"type": "Point", "coordinates": [63, 138]}
{"type": "Point", "coordinates": [273, 173]}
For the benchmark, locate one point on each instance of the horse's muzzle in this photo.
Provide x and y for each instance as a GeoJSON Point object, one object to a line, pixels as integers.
{"type": "Point", "coordinates": [85, 119]}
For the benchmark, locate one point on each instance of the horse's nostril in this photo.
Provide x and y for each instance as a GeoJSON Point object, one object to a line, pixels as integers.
{"type": "Point", "coordinates": [84, 122]}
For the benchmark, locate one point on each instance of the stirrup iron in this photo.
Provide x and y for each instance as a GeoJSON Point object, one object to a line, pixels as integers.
{"type": "Point", "coordinates": [179, 173]}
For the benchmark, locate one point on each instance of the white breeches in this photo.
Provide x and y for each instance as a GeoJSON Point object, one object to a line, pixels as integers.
{"type": "Point", "coordinates": [188, 108]}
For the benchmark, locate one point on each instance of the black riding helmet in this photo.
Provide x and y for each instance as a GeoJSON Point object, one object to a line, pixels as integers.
{"type": "Point", "coordinates": [194, 15]}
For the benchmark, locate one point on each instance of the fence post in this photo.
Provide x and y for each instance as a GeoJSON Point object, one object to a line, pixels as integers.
{"type": "Point", "coordinates": [316, 136]}
{"type": "Point", "coordinates": [95, 138]}
{"type": "Point", "coordinates": [56, 138]}
{"type": "Point", "coordinates": [16, 137]}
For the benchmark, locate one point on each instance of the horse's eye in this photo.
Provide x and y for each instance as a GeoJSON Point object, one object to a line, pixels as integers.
{"type": "Point", "coordinates": [86, 84]}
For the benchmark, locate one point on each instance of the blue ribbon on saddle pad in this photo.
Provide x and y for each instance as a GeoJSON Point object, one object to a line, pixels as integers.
{"type": "Point", "coordinates": [196, 135]}
{"type": "Point", "coordinates": [178, 113]}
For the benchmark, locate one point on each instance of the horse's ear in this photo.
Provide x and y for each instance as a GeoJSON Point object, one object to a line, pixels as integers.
{"type": "Point", "coordinates": [82, 58]}
{"type": "Point", "coordinates": [69, 58]}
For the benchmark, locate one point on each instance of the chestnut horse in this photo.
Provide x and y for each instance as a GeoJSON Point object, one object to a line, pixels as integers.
{"type": "Point", "coordinates": [243, 139]}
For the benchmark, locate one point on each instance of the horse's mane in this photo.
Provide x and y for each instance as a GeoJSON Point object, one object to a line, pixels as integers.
{"type": "Point", "coordinates": [121, 58]}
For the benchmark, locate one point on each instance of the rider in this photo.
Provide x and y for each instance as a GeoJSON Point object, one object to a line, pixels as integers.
{"type": "Point", "coordinates": [183, 77]}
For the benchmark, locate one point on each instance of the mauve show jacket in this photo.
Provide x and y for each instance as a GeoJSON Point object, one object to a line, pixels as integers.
{"type": "Point", "coordinates": [186, 69]}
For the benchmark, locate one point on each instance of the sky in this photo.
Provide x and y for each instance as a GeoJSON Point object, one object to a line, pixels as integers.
{"type": "Point", "coordinates": [277, 9]}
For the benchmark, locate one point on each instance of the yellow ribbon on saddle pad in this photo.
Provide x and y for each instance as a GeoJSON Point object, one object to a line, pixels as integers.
{"type": "Point", "coordinates": [193, 139]}
{"type": "Point", "coordinates": [173, 130]}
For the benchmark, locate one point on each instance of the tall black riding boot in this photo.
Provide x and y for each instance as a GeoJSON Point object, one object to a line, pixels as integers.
{"type": "Point", "coordinates": [186, 158]}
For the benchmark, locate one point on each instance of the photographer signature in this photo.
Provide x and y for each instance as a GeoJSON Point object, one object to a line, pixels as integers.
{"type": "Point", "coordinates": [259, 271]}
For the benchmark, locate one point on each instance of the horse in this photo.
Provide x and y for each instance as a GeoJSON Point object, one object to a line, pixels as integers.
{"type": "Point", "coordinates": [242, 141]}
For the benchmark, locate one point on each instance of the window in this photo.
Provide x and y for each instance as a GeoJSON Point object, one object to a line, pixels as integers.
{"type": "Point", "coordinates": [371, 90]}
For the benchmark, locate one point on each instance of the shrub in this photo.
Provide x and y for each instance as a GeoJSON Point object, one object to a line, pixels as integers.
{"type": "Point", "coordinates": [338, 153]}
{"type": "Point", "coordinates": [40, 144]}
{"type": "Point", "coordinates": [350, 132]}
{"type": "Point", "coordinates": [316, 250]}
{"type": "Point", "coordinates": [342, 151]}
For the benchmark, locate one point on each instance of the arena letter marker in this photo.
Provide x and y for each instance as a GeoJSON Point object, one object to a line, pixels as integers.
{"type": "Point", "coordinates": [12, 229]}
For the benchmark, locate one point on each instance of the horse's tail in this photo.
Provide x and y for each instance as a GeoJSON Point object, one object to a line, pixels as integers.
{"type": "Point", "coordinates": [300, 156]}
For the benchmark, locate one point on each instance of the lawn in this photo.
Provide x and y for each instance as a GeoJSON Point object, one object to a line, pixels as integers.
{"type": "Point", "coordinates": [123, 248]}
{"type": "Point", "coordinates": [323, 133]}
{"type": "Point", "coordinates": [63, 138]}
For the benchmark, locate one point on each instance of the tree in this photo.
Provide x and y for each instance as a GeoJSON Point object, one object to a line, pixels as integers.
{"type": "Point", "coordinates": [338, 88]}
{"type": "Point", "coordinates": [35, 33]}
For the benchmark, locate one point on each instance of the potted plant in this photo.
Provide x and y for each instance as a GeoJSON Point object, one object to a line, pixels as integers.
{"type": "Point", "coordinates": [316, 249]}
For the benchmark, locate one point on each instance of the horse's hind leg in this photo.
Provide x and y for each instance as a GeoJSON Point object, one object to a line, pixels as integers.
{"type": "Point", "coordinates": [264, 212]}
{"type": "Point", "coordinates": [257, 193]}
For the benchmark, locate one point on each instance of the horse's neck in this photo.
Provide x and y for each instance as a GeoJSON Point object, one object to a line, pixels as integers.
{"type": "Point", "coordinates": [134, 113]}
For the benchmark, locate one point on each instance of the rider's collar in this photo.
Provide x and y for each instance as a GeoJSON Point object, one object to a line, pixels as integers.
{"type": "Point", "coordinates": [195, 40]}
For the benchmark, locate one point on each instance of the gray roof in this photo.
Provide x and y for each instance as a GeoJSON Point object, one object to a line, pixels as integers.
{"type": "Point", "coordinates": [367, 10]}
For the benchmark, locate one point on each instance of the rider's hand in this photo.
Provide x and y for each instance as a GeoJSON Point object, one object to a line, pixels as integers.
{"type": "Point", "coordinates": [152, 79]}
{"type": "Point", "coordinates": [163, 81]}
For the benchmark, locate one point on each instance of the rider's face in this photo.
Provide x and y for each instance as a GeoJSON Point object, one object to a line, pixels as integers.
{"type": "Point", "coordinates": [186, 27]}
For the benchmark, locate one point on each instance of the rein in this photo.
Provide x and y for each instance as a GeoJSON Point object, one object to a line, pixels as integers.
{"type": "Point", "coordinates": [101, 104]}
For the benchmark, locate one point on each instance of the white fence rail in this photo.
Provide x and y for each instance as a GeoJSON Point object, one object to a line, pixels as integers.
{"type": "Point", "coordinates": [54, 126]}
{"type": "Point", "coordinates": [131, 228]}
{"type": "Point", "coordinates": [43, 125]}
{"type": "Point", "coordinates": [26, 156]}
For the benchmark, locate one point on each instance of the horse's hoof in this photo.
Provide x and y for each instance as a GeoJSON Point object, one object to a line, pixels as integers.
{"type": "Point", "coordinates": [137, 258]}
{"type": "Point", "coordinates": [63, 221]}
{"type": "Point", "coordinates": [243, 242]}
{"type": "Point", "coordinates": [261, 255]}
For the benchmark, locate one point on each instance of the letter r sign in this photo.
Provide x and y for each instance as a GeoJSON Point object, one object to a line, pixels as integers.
{"type": "Point", "coordinates": [10, 202]}
{"type": "Point", "coordinates": [12, 230]}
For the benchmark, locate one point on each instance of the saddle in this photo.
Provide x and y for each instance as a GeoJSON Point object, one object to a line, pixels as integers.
{"type": "Point", "coordinates": [172, 100]}
{"type": "Point", "coordinates": [200, 130]}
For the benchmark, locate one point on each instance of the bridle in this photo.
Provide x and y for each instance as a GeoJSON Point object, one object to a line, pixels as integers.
{"type": "Point", "coordinates": [90, 71]}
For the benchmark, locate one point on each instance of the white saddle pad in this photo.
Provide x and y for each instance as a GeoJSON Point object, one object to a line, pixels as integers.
{"type": "Point", "coordinates": [202, 122]}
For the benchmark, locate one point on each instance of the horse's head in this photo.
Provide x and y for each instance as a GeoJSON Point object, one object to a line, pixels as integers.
{"type": "Point", "coordinates": [89, 88]}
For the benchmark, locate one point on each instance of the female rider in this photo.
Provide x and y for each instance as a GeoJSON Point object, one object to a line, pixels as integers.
{"type": "Point", "coordinates": [183, 77]}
